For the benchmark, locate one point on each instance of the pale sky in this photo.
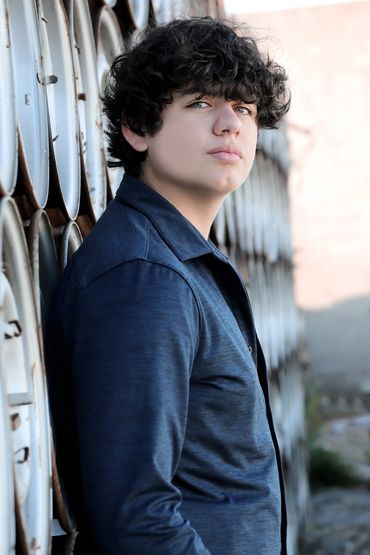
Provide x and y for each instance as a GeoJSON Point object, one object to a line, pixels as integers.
{"type": "Point", "coordinates": [255, 6]}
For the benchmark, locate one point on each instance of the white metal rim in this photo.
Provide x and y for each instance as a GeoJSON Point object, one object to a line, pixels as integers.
{"type": "Point", "coordinates": [8, 122]}
{"type": "Point", "coordinates": [62, 103]}
{"type": "Point", "coordinates": [257, 205]}
{"type": "Point", "coordinates": [230, 219]}
{"type": "Point", "coordinates": [30, 99]}
{"type": "Point", "coordinates": [88, 105]}
{"type": "Point", "coordinates": [109, 44]}
{"type": "Point", "coordinates": [109, 41]}
{"type": "Point", "coordinates": [139, 12]}
{"type": "Point", "coordinates": [240, 216]}
{"type": "Point", "coordinates": [25, 385]}
{"type": "Point", "coordinates": [71, 240]}
{"type": "Point", "coordinates": [220, 226]}
{"type": "Point", "coordinates": [162, 11]}
{"type": "Point", "coordinates": [7, 517]}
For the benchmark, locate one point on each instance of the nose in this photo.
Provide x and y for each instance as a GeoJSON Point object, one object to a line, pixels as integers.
{"type": "Point", "coordinates": [227, 121]}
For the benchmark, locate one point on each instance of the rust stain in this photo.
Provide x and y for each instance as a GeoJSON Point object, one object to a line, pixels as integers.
{"type": "Point", "coordinates": [34, 545]}
{"type": "Point", "coordinates": [7, 25]}
{"type": "Point", "coordinates": [16, 421]}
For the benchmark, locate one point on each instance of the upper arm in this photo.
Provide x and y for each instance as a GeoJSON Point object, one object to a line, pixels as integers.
{"type": "Point", "coordinates": [134, 339]}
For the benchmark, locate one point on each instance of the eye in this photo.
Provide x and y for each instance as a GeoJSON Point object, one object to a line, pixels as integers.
{"type": "Point", "coordinates": [245, 110]}
{"type": "Point", "coordinates": [198, 104]}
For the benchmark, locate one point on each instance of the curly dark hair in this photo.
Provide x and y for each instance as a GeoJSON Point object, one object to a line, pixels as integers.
{"type": "Point", "coordinates": [199, 54]}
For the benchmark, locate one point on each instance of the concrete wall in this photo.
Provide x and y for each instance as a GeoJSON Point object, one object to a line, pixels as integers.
{"type": "Point", "coordinates": [326, 51]}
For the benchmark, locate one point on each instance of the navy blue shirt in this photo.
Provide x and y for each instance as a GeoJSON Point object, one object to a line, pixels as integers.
{"type": "Point", "coordinates": [159, 391]}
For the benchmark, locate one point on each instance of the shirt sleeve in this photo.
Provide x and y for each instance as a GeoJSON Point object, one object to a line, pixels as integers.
{"type": "Point", "coordinates": [133, 339]}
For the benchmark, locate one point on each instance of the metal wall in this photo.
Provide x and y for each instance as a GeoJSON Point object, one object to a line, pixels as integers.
{"type": "Point", "coordinates": [53, 187]}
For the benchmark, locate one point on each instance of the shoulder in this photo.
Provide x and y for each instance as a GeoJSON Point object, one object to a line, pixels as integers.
{"type": "Point", "coordinates": [123, 235]}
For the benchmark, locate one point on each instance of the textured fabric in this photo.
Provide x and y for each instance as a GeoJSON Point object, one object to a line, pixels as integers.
{"type": "Point", "coordinates": [159, 392]}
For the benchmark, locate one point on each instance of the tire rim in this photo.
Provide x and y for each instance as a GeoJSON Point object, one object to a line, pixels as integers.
{"type": "Point", "coordinates": [25, 387]}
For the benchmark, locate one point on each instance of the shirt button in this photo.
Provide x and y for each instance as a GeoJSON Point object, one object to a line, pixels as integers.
{"type": "Point", "coordinates": [250, 348]}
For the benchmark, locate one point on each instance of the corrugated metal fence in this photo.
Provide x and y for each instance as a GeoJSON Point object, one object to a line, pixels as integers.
{"type": "Point", "coordinates": [54, 186]}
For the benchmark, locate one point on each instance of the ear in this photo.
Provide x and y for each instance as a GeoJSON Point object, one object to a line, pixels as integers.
{"type": "Point", "coordinates": [138, 142]}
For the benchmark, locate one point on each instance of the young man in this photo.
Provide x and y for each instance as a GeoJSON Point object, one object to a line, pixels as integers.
{"type": "Point", "coordinates": [159, 385]}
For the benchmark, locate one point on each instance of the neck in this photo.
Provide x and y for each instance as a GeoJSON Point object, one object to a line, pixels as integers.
{"type": "Point", "coordinates": [199, 207]}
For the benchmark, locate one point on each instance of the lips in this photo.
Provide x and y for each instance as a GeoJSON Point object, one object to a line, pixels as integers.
{"type": "Point", "coordinates": [226, 152]}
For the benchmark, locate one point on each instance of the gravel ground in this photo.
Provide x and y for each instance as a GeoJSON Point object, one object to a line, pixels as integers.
{"type": "Point", "coordinates": [340, 523]}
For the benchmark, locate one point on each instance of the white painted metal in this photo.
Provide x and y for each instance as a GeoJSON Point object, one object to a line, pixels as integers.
{"type": "Point", "coordinates": [25, 387]}
{"type": "Point", "coordinates": [162, 11]}
{"type": "Point", "coordinates": [90, 116]}
{"type": "Point", "coordinates": [109, 44]}
{"type": "Point", "coordinates": [30, 99]}
{"type": "Point", "coordinates": [139, 12]}
{"type": "Point", "coordinates": [71, 240]}
{"type": "Point", "coordinates": [249, 213]}
{"type": "Point", "coordinates": [240, 218]}
{"type": "Point", "coordinates": [230, 219]}
{"type": "Point", "coordinates": [62, 103]}
{"type": "Point", "coordinates": [220, 227]}
{"type": "Point", "coordinates": [7, 515]}
{"type": "Point", "coordinates": [8, 122]}
{"type": "Point", "coordinates": [257, 198]}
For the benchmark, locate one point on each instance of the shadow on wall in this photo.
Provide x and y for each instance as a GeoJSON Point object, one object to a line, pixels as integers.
{"type": "Point", "coordinates": [338, 340]}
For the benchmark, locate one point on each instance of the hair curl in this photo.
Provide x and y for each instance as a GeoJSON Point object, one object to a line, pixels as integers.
{"type": "Point", "coordinates": [199, 54]}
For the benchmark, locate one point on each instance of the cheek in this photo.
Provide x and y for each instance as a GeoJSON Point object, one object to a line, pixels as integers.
{"type": "Point", "coordinates": [176, 148]}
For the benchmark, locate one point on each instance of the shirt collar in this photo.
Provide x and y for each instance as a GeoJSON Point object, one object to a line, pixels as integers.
{"type": "Point", "coordinates": [178, 232]}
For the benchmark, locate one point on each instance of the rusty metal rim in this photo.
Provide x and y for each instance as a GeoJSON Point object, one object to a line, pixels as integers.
{"type": "Point", "coordinates": [62, 102]}
{"type": "Point", "coordinates": [31, 100]}
{"type": "Point", "coordinates": [90, 116]}
{"type": "Point", "coordinates": [26, 389]}
{"type": "Point", "coordinates": [8, 124]}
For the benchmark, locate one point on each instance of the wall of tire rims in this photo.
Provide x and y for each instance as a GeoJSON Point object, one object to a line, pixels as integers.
{"type": "Point", "coordinates": [54, 185]}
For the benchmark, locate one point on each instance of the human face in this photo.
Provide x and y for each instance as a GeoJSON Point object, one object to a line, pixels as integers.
{"type": "Point", "coordinates": [206, 145]}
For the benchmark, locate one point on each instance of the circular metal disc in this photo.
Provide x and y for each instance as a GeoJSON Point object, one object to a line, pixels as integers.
{"type": "Point", "coordinates": [140, 12]}
{"type": "Point", "coordinates": [8, 123]}
{"type": "Point", "coordinates": [7, 520]}
{"type": "Point", "coordinates": [31, 100]}
{"type": "Point", "coordinates": [62, 103]}
{"type": "Point", "coordinates": [162, 11]}
{"type": "Point", "coordinates": [24, 379]}
{"type": "Point", "coordinates": [90, 116]}
{"type": "Point", "coordinates": [109, 44]}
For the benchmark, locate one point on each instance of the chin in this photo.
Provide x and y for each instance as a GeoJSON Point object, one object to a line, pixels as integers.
{"type": "Point", "coordinates": [227, 186]}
